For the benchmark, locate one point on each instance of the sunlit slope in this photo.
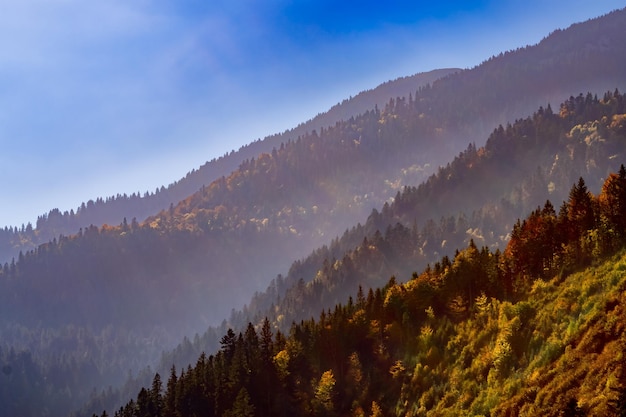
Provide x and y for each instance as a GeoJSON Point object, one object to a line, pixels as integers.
{"type": "Point", "coordinates": [111, 210]}
{"type": "Point", "coordinates": [588, 56]}
{"type": "Point", "coordinates": [537, 329]}
{"type": "Point", "coordinates": [478, 196]}
{"type": "Point", "coordinates": [109, 299]}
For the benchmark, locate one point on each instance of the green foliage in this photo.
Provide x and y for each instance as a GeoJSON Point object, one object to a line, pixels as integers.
{"type": "Point", "coordinates": [93, 297]}
{"type": "Point", "coordinates": [242, 406]}
{"type": "Point", "coordinates": [553, 346]}
{"type": "Point", "coordinates": [394, 318]}
{"type": "Point", "coordinates": [324, 402]}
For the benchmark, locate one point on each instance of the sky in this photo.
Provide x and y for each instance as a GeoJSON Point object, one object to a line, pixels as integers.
{"type": "Point", "coordinates": [99, 98]}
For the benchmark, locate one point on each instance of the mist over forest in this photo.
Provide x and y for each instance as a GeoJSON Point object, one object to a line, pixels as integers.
{"type": "Point", "coordinates": [340, 267]}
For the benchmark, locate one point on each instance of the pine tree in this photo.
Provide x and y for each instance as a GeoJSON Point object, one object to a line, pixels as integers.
{"type": "Point", "coordinates": [155, 405]}
{"type": "Point", "coordinates": [268, 380]}
{"type": "Point", "coordinates": [580, 210]}
{"type": "Point", "coordinates": [242, 407]}
{"type": "Point", "coordinates": [266, 340]}
{"type": "Point", "coordinates": [228, 343]}
{"type": "Point", "coordinates": [613, 202]}
{"type": "Point", "coordinates": [169, 406]}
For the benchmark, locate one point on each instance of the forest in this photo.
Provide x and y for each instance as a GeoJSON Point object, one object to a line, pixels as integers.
{"type": "Point", "coordinates": [91, 312]}
{"type": "Point", "coordinates": [397, 241]}
{"type": "Point", "coordinates": [365, 257]}
{"type": "Point", "coordinates": [481, 333]}
{"type": "Point", "coordinates": [139, 206]}
{"type": "Point", "coordinates": [465, 104]}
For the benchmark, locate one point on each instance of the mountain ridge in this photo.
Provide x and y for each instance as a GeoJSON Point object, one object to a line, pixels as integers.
{"type": "Point", "coordinates": [391, 243]}
{"type": "Point", "coordinates": [298, 295]}
{"type": "Point", "coordinates": [480, 333]}
{"type": "Point", "coordinates": [158, 271]}
{"type": "Point", "coordinates": [113, 209]}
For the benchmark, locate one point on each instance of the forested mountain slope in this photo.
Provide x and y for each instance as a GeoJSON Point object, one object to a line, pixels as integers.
{"type": "Point", "coordinates": [88, 307]}
{"type": "Point", "coordinates": [528, 331]}
{"type": "Point", "coordinates": [469, 103]}
{"type": "Point", "coordinates": [113, 209]}
{"type": "Point", "coordinates": [200, 256]}
{"type": "Point", "coordinates": [476, 197]}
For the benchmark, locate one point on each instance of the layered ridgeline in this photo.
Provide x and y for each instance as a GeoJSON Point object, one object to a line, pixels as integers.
{"type": "Point", "coordinates": [113, 209]}
{"type": "Point", "coordinates": [476, 198]}
{"type": "Point", "coordinates": [466, 105]}
{"type": "Point", "coordinates": [527, 331]}
{"type": "Point", "coordinates": [82, 310]}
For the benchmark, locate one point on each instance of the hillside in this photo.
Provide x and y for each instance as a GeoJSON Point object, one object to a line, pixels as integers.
{"type": "Point", "coordinates": [398, 240]}
{"type": "Point", "coordinates": [476, 197]}
{"type": "Point", "coordinates": [242, 227]}
{"type": "Point", "coordinates": [113, 209]}
{"type": "Point", "coordinates": [467, 104]}
{"type": "Point", "coordinates": [281, 205]}
{"type": "Point", "coordinates": [522, 332]}
{"type": "Point", "coordinates": [88, 307]}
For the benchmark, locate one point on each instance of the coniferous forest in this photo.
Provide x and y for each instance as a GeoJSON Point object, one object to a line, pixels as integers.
{"type": "Point", "coordinates": [534, 330]}
{"type": "Point", "coordinates": [451, 243]}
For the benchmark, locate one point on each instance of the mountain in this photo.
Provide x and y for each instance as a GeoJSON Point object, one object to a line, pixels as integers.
{"type": "Point", "coordinates": [477, 197]}
{"type": "Point", "coordinates": [113, 209]}
{"type": "Point", "coordinates": [99, 302]}
{"type": "Point", "coordinates": [586, 136]}
{"type": "Point", "coordinates": [513, 333]}
{"type": "Point", "coordinates": [499, 90]}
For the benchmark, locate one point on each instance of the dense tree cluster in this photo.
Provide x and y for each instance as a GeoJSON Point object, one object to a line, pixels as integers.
{"type": "Point", "coordinates": [354, 360]}
{"type": "Point", "coordinates": [423, 223]}
{"type": "Point", "coordinates": [471, 101]}
{"type": "Point", "coordinates": [66, 296]}
{"type": "Point", "coordinates": [181, 251]}
{"type": "Point", "coordinates": [112, 209]}
{"type": "Point", "coordinates": [397, 241]}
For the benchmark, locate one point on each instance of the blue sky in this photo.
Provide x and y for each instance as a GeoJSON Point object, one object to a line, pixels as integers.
{"type": "Point", "coordinates": [117, 96]}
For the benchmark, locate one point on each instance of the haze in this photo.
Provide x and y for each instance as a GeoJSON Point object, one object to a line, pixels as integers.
{"type": "Point", "coordinates": [100, 98]}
